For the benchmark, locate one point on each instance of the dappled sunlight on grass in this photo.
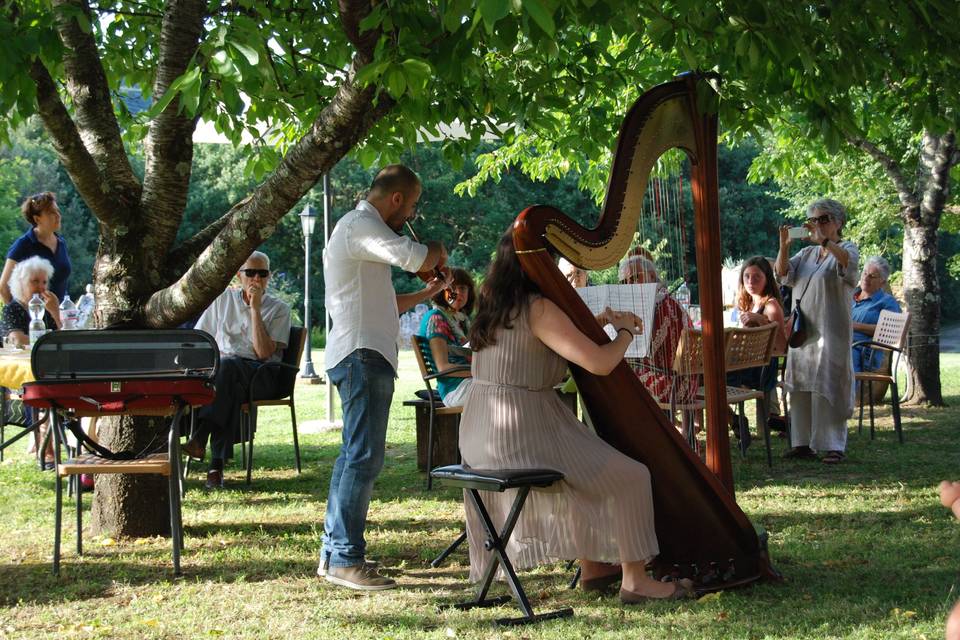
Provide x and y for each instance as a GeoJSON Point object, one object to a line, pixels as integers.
{"type": "Point", "coordinates": [866, 549]}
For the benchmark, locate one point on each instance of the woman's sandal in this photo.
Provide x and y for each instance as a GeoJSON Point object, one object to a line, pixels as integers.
{"type": "Point", "coordinates": [833, 457]}
{"type": "Point", "coordinates": [682, 590]}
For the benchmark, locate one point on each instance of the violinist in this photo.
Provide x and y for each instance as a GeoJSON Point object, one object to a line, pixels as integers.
{"type": "Point", "coordinates": [361, 355]}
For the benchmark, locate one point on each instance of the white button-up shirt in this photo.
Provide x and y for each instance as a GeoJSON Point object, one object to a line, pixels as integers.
{"type": "Point", "coordinates": [359, 293]}
{"type": "Point", "coordinates": [227, 319]}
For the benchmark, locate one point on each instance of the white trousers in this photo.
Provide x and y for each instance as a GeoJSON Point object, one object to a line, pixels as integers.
{"type": "Point", "coordinates": [815, 423]}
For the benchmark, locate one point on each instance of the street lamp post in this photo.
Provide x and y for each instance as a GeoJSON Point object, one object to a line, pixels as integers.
{"type": "Point", "coordinates": [308, 219]}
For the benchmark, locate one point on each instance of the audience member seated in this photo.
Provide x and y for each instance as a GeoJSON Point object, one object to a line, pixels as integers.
{"type": "Point", "coordinates": [27, 278]}
{"type": "Point", "coordinates": [602, 512]}
{"type": "Point", "coordinates": [669, 320]}
{"type": "Point", "coordinates": [43, 215]}
{"type": "Point", "coordinates": [869, 299]}
{"type": "Point", "coordinates": [758, 303]}
{"type": "Point", "coordinates": [576, 276]}
{"type": "Point", "coordinates": [251, 328]}
{"type": "Point", "coordinates": [446, 326]}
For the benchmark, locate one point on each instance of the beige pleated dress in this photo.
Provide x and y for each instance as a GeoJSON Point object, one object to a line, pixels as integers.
{"type": "Point", "coordinates": [513, 419]}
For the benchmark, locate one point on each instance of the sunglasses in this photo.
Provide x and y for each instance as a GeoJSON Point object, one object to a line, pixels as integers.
{"type": "Point", "coordinates": [250, 273]}
{"type": "Point", "coordinates": [824, 219]}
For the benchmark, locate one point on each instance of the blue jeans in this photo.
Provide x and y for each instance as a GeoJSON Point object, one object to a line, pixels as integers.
{"type": "Point", "coordinates": [365, 382]}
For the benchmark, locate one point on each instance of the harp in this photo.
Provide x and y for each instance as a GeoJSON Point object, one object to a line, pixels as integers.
{"type": "Point", "coordinates": [702, 532]}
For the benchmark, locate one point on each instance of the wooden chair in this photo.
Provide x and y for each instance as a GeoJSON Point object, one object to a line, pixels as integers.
{"type": "Point", "coordinates": [687, 363]}
{"type": "Point", "coordinates": [748, 348]}
{"type": "Point", "coordinates": [428, 369]}
{"type": "Point", "coordinates": [890, 337]}
{"type": "Point", "coordinates": [290, 366]}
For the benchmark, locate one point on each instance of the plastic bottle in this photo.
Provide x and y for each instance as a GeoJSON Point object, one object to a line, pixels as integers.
{"type": "Point", "coordinates": [683, 296]}
{"type": "Point", "coordinates": [69, 314]}
{"type": "Point", "coordinates": [85, 305]}
{"type": "Point", "coordinates": [37, 326]}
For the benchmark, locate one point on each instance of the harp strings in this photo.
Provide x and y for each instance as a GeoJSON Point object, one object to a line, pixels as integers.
{"type": "Point", "coordinates": [661, 237]}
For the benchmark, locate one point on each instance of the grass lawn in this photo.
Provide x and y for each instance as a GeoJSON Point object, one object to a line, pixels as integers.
{"type": "Point", "coordinates": [866, 549]}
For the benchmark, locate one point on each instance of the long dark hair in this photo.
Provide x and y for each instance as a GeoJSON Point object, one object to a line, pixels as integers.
{"type": "Point", "coordinates": [460, 276]}
{"type": "Point", "coordinates": [770, 289]}
{"type": "Point", "coordinates": [504, 294]}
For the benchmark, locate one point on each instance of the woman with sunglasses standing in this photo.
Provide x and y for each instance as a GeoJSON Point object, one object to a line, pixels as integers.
{"type": "Point", "coordinates": [43, 215]}
{"type": "Point", "coordinates": [819, 374]}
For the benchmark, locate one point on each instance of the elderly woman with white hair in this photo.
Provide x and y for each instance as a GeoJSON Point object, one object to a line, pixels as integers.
{"type": "Point", "coordinates": [29, 277]}
{"type": "Point", "coordinates": [819, 372]}
{"type": "Point", "coordinates": [868, 301]}
{"type": "Point", "coordinates": [669, 321]}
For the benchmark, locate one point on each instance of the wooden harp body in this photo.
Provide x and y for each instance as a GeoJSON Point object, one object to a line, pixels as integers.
{"type": "Point", "coordinates": [702, 532]}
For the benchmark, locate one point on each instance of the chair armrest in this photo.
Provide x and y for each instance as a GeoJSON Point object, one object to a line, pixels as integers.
{"type": "Point", "coordinates": [876, 345]}
{"type": "Point", "coordinates": [264, 367]}
{"type": "Point", "coordinates": [446, 373]}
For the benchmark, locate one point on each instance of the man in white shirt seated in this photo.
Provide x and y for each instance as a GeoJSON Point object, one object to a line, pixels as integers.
{"type": "Point", "coordinates": [251, 328]}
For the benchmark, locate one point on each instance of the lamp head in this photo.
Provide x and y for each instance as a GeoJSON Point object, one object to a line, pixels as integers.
{"type": "Point", "coordinates": [308, 219]}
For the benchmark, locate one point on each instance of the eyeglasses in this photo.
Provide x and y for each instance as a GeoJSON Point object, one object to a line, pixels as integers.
{"type": "Point", "coordinates": [873, 276]}
{"type": "Point", "coordinates": [824, 219]}
{"type": "Point", "coordinates": [250, 273]}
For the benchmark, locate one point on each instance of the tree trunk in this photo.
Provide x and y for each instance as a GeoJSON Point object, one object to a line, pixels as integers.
{"type": "Point", "coordinates": [921, 291]}
{"type": "Point", "coordinates": [127, 505]}
{"type": "Point", "coordinates": [132, 505]}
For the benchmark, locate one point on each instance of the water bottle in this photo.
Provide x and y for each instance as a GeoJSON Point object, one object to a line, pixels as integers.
{"type": "Point", "coordinates": [85, 305]}
{"type": "Point", "coordinates": [69, 314]}
{"type": "Point", "coordinates": [683, 296]}
{"type": "Point", "coordinates": [37, 326]}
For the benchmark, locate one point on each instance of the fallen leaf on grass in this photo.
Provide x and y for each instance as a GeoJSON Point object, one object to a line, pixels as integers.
{"type": "Point", "coordinates": [107, 542]}
{"type": "Point", "coordinates": [723, 615]}
{"type": "Point", "coordinates": [897, 613]}
{"type": "Point", "coordinates": [710, 597]}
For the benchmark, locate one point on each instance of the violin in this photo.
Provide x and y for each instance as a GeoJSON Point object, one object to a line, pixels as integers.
{"type": "Point", "coordinates": [440, 271]}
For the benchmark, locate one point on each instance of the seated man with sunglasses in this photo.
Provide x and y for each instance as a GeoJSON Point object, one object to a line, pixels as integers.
{"type": "Point", "coordinates": [251, 327]}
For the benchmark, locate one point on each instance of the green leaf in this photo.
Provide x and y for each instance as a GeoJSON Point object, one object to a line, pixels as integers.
{"type": "Point", "coordinates": [246, 51]}
{"type": "Point", "coordinates": [396, 82]}
{"type": "Point", "coordinates": [541, 15]}
{"type": "Point", "coordinates": [493, 10]}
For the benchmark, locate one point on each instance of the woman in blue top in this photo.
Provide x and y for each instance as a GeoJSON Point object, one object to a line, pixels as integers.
{"type": "Point", "coordinates": [446, 326]}
{"type": "Point", "coordinates": [42, 239]}
{"type": "Point", "coordinates": [869, 300]}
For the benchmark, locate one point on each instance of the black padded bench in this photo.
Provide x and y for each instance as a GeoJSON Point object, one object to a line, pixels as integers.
{"type": "Point", "coordinates": [499, 480]}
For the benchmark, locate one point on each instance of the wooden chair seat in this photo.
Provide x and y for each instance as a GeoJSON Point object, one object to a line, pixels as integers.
{"type": "Point", "coordinates": [156, 463]}
{"type": "Point", "coordinates": [873, 376]}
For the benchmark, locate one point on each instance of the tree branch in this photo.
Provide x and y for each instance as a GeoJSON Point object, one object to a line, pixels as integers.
{"type": "Point", "coordinates": [168, 148]}
{"type": "Point", "coordinates": [74, 156]}
{"type": "Point", "coordinates": [339, 127]}
{"type": "Point", "coordinates": [907, 195]}
{"type": "Point", "coordinates": [94, 117]}
{"type": "Point", "coordinates": [937, 158]}
{"type": "Point", "coordinates": [186, 253]}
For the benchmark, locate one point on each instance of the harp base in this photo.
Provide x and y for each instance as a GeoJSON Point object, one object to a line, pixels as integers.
{"type": "Point", "coordinates": [720, 575]}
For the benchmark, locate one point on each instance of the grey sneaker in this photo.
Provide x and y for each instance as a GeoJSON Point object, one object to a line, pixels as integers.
{"type": "Point", "coordinates": [322, 567]}
{"type": "Point", "coordinates": [361, 577]}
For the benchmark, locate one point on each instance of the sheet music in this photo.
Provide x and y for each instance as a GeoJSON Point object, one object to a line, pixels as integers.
{"type": "Point", "coordinates": [638, 298]}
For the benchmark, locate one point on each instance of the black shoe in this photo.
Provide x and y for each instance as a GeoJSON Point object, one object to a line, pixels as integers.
{"type": "Point", "coordinates": [777, 423]}
{"type": "Point", "coordinates": [800, 453]}
{"type": "Point", "coordinates": [214, 479]}
{"type": "Point", "coordinates": [48, 465]}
